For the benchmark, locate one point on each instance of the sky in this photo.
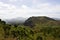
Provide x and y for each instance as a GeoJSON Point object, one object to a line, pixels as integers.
{"type": "Point", "coordinates": [27, 8]}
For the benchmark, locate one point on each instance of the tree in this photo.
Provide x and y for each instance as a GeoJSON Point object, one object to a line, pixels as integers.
{"type": "Point", "coordinates": [6, 29]}
{"type": "Point", "coordinates": [39, 38]}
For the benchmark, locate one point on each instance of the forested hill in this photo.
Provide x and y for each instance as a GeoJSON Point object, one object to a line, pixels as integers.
{"type": "Point", "coordinates": [34, 28]}
{"type": "Point", "coordinates": [41, 20]}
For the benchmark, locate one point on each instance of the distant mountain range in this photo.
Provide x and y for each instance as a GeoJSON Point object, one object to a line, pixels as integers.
{"type": "Point", "coordinates": [56, 18]}
{"type": "Point", "coordinates": [18, 20]}
{"type": "Point", "coordinates": [21, 20]}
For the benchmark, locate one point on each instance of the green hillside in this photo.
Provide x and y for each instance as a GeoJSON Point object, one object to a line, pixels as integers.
{"type": "Point", "coordinates": [44, 21]}
{"type": "Point", "coordinates": [34, 28]}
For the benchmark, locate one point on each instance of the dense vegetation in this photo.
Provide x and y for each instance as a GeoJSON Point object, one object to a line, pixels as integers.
{"type": "Point", "coordinates": [34, 28]}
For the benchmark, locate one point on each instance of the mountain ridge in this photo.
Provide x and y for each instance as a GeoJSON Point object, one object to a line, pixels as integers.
{"type": "Point", "coordinates": [32, 21]}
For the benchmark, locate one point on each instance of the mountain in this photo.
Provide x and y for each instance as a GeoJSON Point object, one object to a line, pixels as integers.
{"type": "Point", "coordinates": [41, 20]}
{"type": "Point", "coordinates": [18, 20]}
{"type": "Point", "coordinates": [56, 18]}
{"type": "Point", "coordinates": [32, 20]}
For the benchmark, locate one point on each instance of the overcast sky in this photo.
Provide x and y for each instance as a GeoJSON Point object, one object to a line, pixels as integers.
{"type": "Point", "coordinates": [26, 8]}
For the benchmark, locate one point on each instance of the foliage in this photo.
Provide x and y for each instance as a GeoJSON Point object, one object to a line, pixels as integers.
{"type": "Point", "coordinates": [43, 29]}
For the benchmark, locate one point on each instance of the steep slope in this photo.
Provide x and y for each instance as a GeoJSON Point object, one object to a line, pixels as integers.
{"type": "Point", "coordinates": [32, 21]}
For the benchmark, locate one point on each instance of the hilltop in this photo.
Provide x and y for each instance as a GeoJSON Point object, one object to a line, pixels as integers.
{"type": "Point", "coordinates": [32, 21]}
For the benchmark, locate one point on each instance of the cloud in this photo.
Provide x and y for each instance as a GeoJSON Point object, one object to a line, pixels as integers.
{"type": "Point", "coordinates": [8, 11]}
{"type": "Point", "coordinates": [12, 0]}
{"type": "Point", "coordinates": [24, 7]}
